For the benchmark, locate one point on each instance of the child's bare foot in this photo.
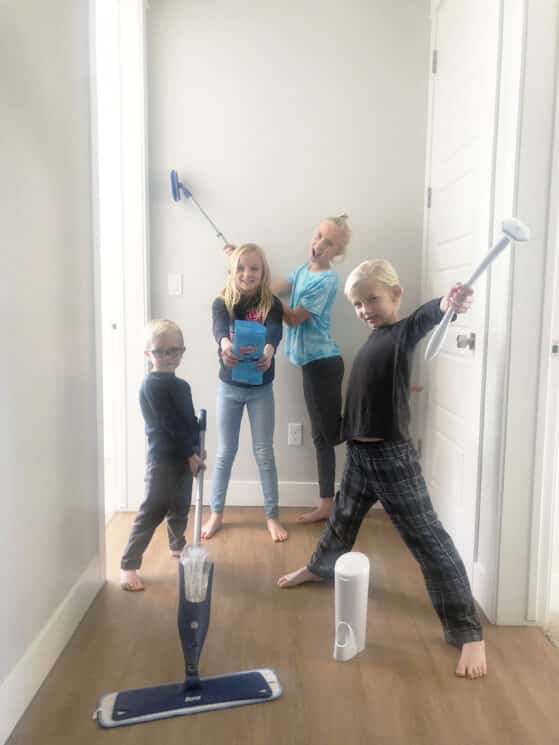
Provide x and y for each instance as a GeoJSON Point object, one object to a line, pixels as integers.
{"type": "Point", "coordinates": [130, 581]}
{"type": "Point", "coordinates": [298, 577]}
{"type": "Point", "coordinates": [211, 526]}
{"type": "Point", "coordinates": [276, 530]}
{"type": "Point", "coordinates": [320, 513]}
{"type": "Point", "coordinates": [472, 662]}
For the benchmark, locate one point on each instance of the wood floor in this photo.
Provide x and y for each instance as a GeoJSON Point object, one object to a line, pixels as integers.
{"type": "Point", "coordinates": [401, 690]}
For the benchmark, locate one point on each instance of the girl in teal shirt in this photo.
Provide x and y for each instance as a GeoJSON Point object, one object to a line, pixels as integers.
{"type": "Point", "coordinates": [312, 289]}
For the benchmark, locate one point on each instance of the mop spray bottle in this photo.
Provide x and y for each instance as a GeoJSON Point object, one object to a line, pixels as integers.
{"type": "Point", "coordinates": [195, 586]}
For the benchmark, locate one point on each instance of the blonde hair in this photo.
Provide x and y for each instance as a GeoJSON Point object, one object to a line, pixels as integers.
{"type": "Point", "coordinates": [158, 327]}
{"type": "Point", "coordinates": [380, 270]}
{"type": "Point", "coordinates": [341, 223]}
{"type": "Point", "coordinates": [231, 294]}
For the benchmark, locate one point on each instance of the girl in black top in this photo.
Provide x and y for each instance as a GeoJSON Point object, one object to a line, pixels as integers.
{"type": "Point", "coordinates": [246, 297]}
{"type": "Point", "coordinates": [382, 463]}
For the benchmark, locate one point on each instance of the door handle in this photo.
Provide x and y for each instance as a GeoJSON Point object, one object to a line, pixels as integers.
{"type": "Point", "coordinates": [466, 341]}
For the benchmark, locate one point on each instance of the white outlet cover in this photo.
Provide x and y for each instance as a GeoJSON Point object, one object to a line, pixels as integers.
{"type": "Point", "coordinates": [295, 434]}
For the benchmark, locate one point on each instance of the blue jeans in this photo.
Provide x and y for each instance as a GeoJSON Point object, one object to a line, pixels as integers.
{"type": "Point", "coordinates": [259, 400]}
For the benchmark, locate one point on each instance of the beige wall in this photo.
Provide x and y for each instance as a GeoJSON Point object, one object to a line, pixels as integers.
{"type": "Point", "coordinates": [49, 532]}
{"type": "Point", "coordinates": [276, 114]}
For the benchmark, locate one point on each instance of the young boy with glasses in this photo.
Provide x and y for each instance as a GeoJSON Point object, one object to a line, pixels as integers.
{"type": "Point", "coordinates": [173, 456]}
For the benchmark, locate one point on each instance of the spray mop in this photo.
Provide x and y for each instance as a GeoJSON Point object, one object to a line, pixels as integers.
{"type": "Point", "coordinates": [513, 230]}
{"type": "Point", "coordinates": [178, 188]}
{"type": "Point", "coordinates": [195, 694]}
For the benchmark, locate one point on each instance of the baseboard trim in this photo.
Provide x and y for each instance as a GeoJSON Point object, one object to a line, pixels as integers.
{"type": "Point", "coordinates": [28, 674]}
{"type": "Point", "coordinates": [249, 493]}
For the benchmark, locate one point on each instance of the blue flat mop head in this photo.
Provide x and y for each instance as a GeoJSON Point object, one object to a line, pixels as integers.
{"type": "Point", "coordinates": [162, 702]}
{"type": "Point", "coordinates": [177, 186]}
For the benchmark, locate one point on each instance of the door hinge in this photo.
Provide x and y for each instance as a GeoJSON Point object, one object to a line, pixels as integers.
{"type": "Point", "coordinates": [429, 193]}
{"type": "Point", "coordinates": [434, 61]}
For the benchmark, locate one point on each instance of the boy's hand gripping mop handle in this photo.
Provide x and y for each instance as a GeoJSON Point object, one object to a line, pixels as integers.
{"type": "Point", "coordinates": [195, 586]}
{"type": "Point", "coordinates": [513, 230]}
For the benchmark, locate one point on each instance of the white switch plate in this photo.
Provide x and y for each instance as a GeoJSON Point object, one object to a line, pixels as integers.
{"type": "Point", "coordinates": [174, 283]}
{"type": "Point", "coordinates": [295, 434]}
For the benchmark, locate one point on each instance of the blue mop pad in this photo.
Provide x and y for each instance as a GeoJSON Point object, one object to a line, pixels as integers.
{"type": "Point", "coordinates": [160, 702]}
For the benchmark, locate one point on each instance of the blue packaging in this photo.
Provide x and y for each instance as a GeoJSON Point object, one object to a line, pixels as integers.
{"type": "Point", "coordinates": [248, 344]}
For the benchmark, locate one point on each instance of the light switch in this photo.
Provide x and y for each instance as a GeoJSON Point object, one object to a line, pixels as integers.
{"type": "Point", "coordinates": [174, 284]}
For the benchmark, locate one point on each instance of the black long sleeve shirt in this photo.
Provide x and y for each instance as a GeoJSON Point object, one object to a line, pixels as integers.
{"type": "Point", "coordinates": [377, 400]}
{"type": "Point", "coordinates": [245, 310]}
{"type": "Point", "coordinates": [171, 424]}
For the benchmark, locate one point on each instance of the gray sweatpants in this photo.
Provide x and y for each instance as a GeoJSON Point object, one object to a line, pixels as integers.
{"type": "Point", "coordinates": [168, 494]}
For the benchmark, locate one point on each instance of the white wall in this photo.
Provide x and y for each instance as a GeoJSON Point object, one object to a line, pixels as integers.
{"type": "Point", "coordinates": [276, 115]}
{"type": "Point", "coordinates": [50, 544]}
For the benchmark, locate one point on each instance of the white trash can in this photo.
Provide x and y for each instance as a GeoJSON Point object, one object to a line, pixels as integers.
{"type": "Point", "coordinates": [351, 597]}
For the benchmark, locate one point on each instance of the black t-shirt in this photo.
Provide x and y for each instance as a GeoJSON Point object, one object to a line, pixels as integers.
{"type": "Point", "coordinates": [171, 425]}
{"type": "Point", "coordinates": [246, 310]}
{"type": "Point", "coordinates": [377, 400]}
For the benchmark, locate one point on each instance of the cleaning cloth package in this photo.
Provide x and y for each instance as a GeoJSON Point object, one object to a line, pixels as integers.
{"type": "Point", "coordinates": [248, 345]}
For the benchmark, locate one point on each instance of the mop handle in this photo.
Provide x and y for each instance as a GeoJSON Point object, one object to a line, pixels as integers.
{"type": "Point", "coordinates": [218, 232]}
{"type": "Point", "coordinates": [438, 336]}
{"type": "Point", "coordinates": [502, 243]}
{"type": "Point", "coordinates": [199, 499]}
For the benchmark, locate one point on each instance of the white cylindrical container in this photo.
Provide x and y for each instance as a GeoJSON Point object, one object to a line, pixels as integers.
{"type": "Point", "coordinates": [351, 596]}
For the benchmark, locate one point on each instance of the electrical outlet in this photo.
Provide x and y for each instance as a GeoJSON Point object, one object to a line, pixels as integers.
{"type": "Point", "coordinates": [295, 434]}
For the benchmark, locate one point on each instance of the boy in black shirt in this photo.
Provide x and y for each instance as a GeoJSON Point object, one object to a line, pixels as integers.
{"type": "Point", "coordinates": [172, 456]}
{"type": "Point", "coordinates": [382, 463]}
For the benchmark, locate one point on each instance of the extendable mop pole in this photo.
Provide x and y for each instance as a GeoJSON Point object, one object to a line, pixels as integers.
{"type": "Point", "coordinates": [513, 230]}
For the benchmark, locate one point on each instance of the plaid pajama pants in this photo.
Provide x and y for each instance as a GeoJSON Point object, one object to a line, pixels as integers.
{"type": "Point", "coordinates": [390, 472]}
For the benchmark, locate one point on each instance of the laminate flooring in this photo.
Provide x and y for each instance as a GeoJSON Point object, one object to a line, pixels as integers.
{"type": "Point", "coordinates": [400, 690]}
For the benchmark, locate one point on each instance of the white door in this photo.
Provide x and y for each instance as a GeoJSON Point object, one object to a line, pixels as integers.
{"type": "Point", "coordinates": [458, 229]}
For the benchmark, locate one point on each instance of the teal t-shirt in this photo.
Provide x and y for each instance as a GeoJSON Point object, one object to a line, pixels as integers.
{"type": "Point", "coordinates": [315, 292]}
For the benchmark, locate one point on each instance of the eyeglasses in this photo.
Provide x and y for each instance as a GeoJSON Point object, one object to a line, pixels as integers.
{"type": "Point", "coordinates": [170, 352]}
